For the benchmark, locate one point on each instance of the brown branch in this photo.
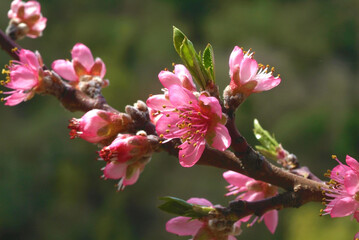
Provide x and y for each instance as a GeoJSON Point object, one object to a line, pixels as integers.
{"type": "Point", "coordinates": [244, 160]}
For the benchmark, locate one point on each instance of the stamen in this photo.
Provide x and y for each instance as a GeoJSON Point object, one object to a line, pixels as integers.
{"type": "Point", "coordinates": [14, 49]}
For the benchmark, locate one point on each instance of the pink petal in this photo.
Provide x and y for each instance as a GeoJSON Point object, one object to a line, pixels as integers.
{"type": "Point", "coordinates": [271, 220]}
{"type": "Point", "coordinates": [30, 58]}
{"type": "Point", "coordinates": [115, 170]}
{"type": "Point", "coordinates": [133, 179]}
{"type": "Point", "coordinates": [344, 207]}
{"type": "Point", "coordinates": [236, 179]}
{"type": "Point", "coordinates": [356, 216]}
{"type": "Point", "coordinates": [65, 69]}
{"type": "Point", "coordinates": [32, 8]}
{"type": "Point", "coordinates": [189, 154]}
{"type": "Point", "coordinates": [103, 67]}
{"type": "Point", "coordinates": [40, 25]}
{"type": "Point", "coordinates": [157, 102]}
{"type": "Point", "coordinates": [213, 103]}
{"type": "Point", "coordinates": [83, 54]}
{"type": "Point", "coordinates": [222, 139]}
{"type": "Point", "coordinates": [183, 226]}
{"type": "Point", "coordinates": [185, 76]}
{"type": "Point", "coordinates": [339, 170]}
{"type": "Point", "coordinates": [235, 59]}
{"type": "Point", "coordinates": [15, 5]}
{"type": "Point", "coordinates": [231, 237]}
{"type": "Point", "coordinates": [248, 69]}
{"type": "Point", "coordinates": [15, 98]}
{"type": "Point", "coordinates": [356, 236]}
{"type": "Point", "coordinates": [169, 79]}
{"type": "Point", "coordinates": [252, 196]}
{"type": "Point", "coordinates": [352, 163]}
{"type": "Point", "coordinates": [169, 119]}
{"type": "Point", "coordinates": [200, 201]}
{"type": "Point", "coordinates": [351, 182]}
{"type": "Point", "coordinates": [180, 96]}
{"type": "Point", "coordinates": [22, 78]}
{"type": "Point", "coordinates": [267, 84]}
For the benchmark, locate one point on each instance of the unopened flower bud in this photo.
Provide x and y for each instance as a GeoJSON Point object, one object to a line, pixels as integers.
{"type": "Point", "coordinates": [97, 125]}
{"type": "Point", "coordinates": [140, 105]}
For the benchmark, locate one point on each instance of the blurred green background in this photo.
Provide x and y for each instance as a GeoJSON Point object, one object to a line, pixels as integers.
{"type": "Point", "coordinates": [50, 186]}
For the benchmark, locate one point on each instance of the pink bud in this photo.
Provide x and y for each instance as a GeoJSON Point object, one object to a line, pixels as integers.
{"type": "Point", "coordinates": [97, 125]}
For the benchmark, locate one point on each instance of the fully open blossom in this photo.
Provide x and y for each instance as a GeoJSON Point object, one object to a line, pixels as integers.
{"type": "Point", "coordinates": [26, 18]}
{"type": "Point", "coordinates": [97, 125]}
{"type": "Point", "coordinates": [195, 120]}
{"type": "Point", "coordinates": [24, 77]}
{"type": "Point", "coordinates": [247, 76]}
{"type": "Point", "coordinates": [201, 228]}
{"type": "Point", "coordinates": [83, 67]}
{"type": "Point", "coordinates": [343, 192]}
{"type": "Point", "coordinates": [126, 158]}
{"type": "Point", "coordinates": [181, 77]}
{"type": "Point", "coordinates": [252, 190]}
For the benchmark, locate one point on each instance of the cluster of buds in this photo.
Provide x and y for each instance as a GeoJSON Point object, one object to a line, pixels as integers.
{"type": "Point", "coordinates": [24, 77]}
{"type": "Point", "coordinates": [25, 20]}
{"type": "Point", "coordinates": [83, 72]}
{"type": "Point", "coordinates": [127, 156]}
{"type": "Point", "coordinates": [342, 194]}
{"type": "Point", "coordinates": [96, 125]}
{"type": "Point", "coordinates": [252, 190]}
{"type": "Point", "coordinates": [208, 227]}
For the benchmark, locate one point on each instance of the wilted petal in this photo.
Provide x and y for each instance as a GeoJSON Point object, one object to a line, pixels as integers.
{"type": "Point", "coordinates": [183, 226]}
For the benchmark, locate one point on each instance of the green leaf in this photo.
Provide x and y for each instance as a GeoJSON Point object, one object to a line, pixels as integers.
{"type": "Point", "coordinates": [175, 206]}
{"type": "Point", "coordinates": [180, 207]}
{"type": "Point", "coordinates": [264, 137]}
{"type": "Point", "coordinates": [178, 37]}
{"type": "Point", "coordinates": [208, 60]}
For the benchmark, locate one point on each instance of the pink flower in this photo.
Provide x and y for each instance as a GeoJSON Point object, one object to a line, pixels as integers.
{"type": "Point", "coordinates": [181, 77]}
{"type": "Point", "coordinates": [27, 16]}
{"type": "Point", "coordinates": [196, 121]}
{"type": "Point", "coordinates": [252, 190]}
{"type": "Point", "coordinates": [82, 66]}
{"type": "Point", "coordinates": [24, 77]}
{"type": "Point", "coordinates": [97, 125]}
{"type": "Point", "coordinates": [343, 192]}
{"type": "Point", "coordinates": [126, 158]}
{"type": "Point", "coordinates": [356, 237]}
{"type": "Point", "coordinates": [201, 228]}
{"type": "Point", "coordinates": [247, 76]}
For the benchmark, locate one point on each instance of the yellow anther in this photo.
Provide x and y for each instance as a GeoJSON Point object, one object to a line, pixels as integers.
{"type": "Point", "coordinates": [166, 69]}
{"type": "Point", "coordinates": [1, 92]}
{"type": "Point", "coordinates": [161, 135]}
{"type": "Point", "coordinates": [334, 156]}
{"type": "Point", "coordinates": [199, 113]}
{"type": "Point", "coordinates": [173, 64]}
{"type": "Point", "coordinates": [4, 71]}
{"type": "Point", "coordinates": [167, 115]}
{"type": "Point", "coordinates": [169, 125]}
{"type": "Point", "coordinates": [2, 99]}
{"type": "Point", "coordinates": [197, 131]}
{"type": "Point", "coordinates": [183, 155]}
{"type": "Point", "coordinates": [190, 102]}
{"type": "Point", "coordinates": [160, 142]}
{"type": "Point", "coordinates": [194, 144]}
{"type": "Point", "coordinates": [167, 130]}
{"type": "Point", "coordinates": [2, 82]}
{"type": "Point", "coordinates": [164, 106]}
{"type": "Point", "coordinates": [272, 69]}
{"type": "Point", "coordinates": [14, 49]}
